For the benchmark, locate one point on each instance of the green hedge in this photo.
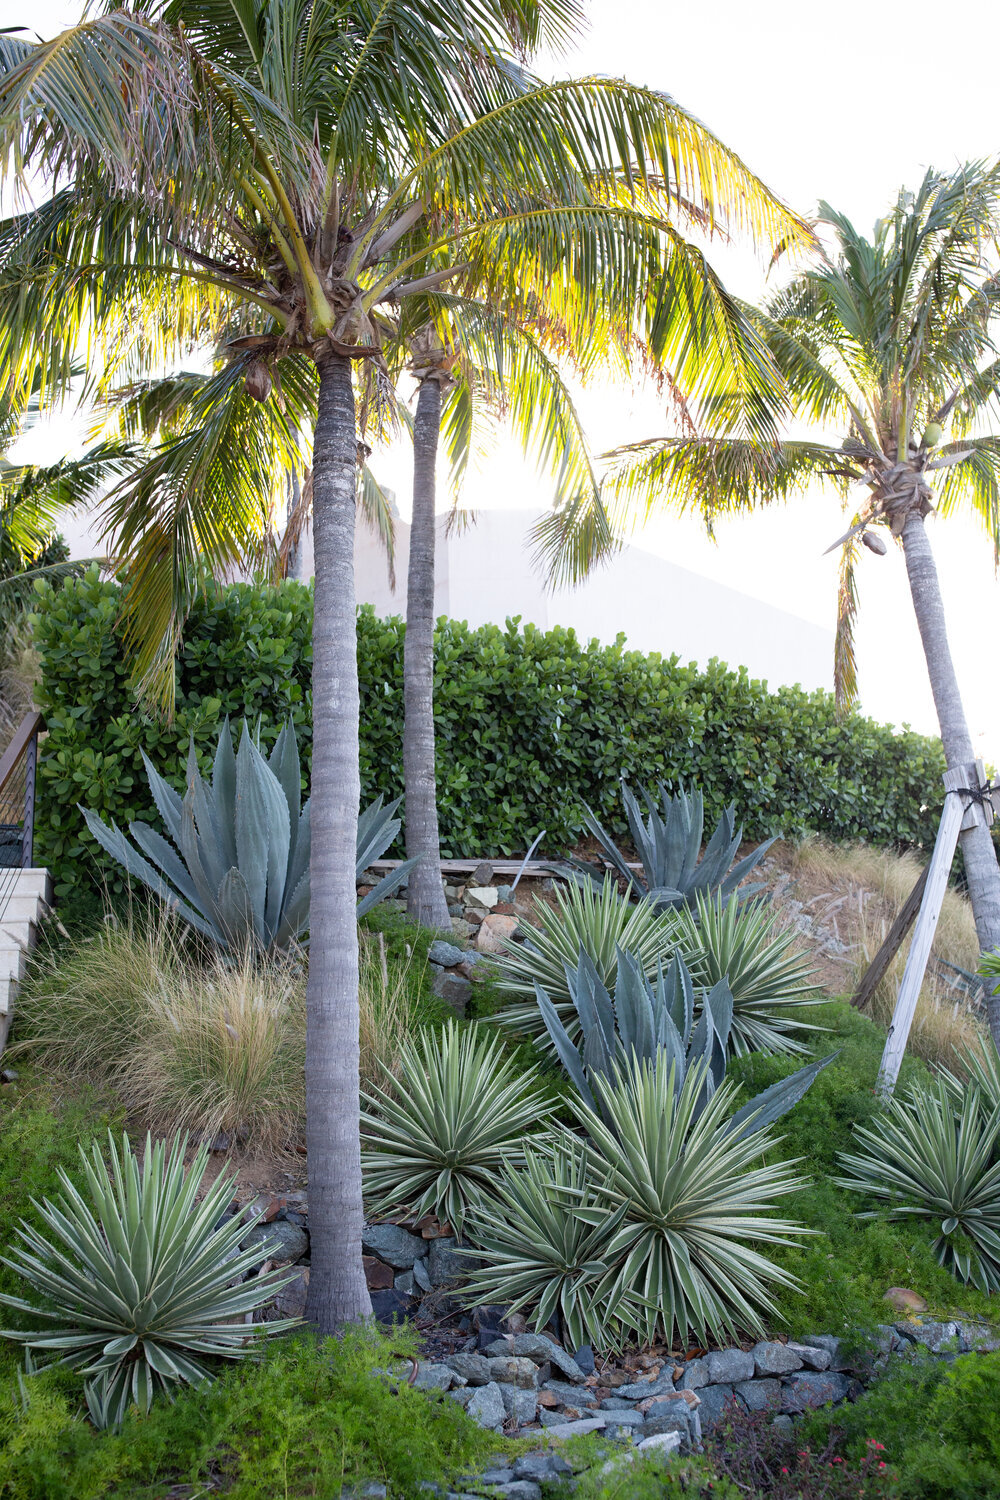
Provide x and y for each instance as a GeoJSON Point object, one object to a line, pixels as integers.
{"type": "Point", "coordinates": [530, 723]}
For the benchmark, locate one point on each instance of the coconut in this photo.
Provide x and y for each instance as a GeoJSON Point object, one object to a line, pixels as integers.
{"type": "Point", "coordinates": [932, 434]}
{"type": "Point", "coordinates": [258, 380]}
{"type": "Point", "coordinates": [874, 543]}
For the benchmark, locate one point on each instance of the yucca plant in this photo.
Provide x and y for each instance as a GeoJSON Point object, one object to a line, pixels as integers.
{"type": "Point", "coordinates": [768, 978]}
{"type": "Point", "coordinates": [537, 1254]}
{"type": "Point", "coordinates": [140, 1282]}
{"type": "Point", "coordinates": [589, 918]}
{"type": "Point", "coordinates": [458, 1111]}
{"type": "Point", "coordinates": [665, 1021]}
{"type": "Point", "coordinates": [240, 871]}
{"type": "Point", "coordinates": [668, 843]}
{"type": "Point", "coordinates": [936, 1157]}
{"type": "Point", "coordinates": [695, 1201]}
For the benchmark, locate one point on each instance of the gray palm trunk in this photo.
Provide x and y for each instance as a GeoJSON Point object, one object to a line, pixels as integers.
{"type": "Point", "coordinates": [338, 1293]}
{"type": "Point", "coordinates": [982, 872]}
{"type": "Point", "coordinates": [425, 900]}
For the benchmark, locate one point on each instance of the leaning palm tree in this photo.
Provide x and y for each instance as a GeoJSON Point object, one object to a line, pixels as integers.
{"type": "Point", "coordinates": [887, 345]}
{"type": "Point", "coordinates": [268, 170]}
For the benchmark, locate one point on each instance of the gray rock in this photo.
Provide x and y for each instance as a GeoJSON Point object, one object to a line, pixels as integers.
{"type": "Point", "coordinates": [716, 1400]}
{"type": "Point", "coordinates": [514, 1370]}
{"type": "Point", "coordinates": [519, 1403]}
{"type": "Point", "coordinates": [660, 1444]}
{"type": "Point", "coordinates": [571, 1395]}
{"type": "Point", "coordinates": [772, 1358]}
{"type": "Point", "coordinates": [404, 1282]}
{"type": "Point", "coordinates": [759, 1395]}
{"type": "Point", "coordinates": [396, 1246]}
{"type": "Point", "coordinates": [372, 1490]}
{"type": "Point", "coordinates": [281, 1242]}
{"type": "Point", "coordinates": [783, 1424]}
{"type": "Point", "coordinates": [445, 954]}
{"type": "Point", "coordinates": [674, 1418]}
{"type": "Point", "coordinates": [812, 1357]}
{"type": "Point", "coordinates": [453, 988]}
{"type": "Point", "coordinates": [539, 1348]}
{"type": "Point", "coordinates": [577, 1429]}
{"type": "Point", "coordinates": [505, 893]}
{"type": "Point", "coordinates": [463, 1395]}
{"type": "Point", "coordinates": [886, 1339]}
{"type": "Point", "coordinates": [584, 1357]}
{"type": "Point", "coordinates": [728, 1365]}
{"type": "Point", "coordinates": [657, 1385]}
{"type": "Point", "coordinates": [811, 1389]}
{"type": "Point", "coordinates": [615, 1403]}
{"type": "Point", "coordinates": [444, 1264]}
{"type": "Point", "coordinates": [978, 1336]}
{"type": "Point", "coordinates": [518, 1489]}
{"type": "Point", "coordinates": [420, 1276]}
{"type": "Point", "coordinates": [433, 1377]}
{"type": "Point", "coordinates": [625, 1417]}
{"type": "Point", "coordinates": [696, 1374]}
{"type": "Point", "coordinates": [490, 1477]}
{"type": "Point", "coordinates": [933, 1336]}
{"type": "Point", "coordinates": [831, 1344]}
{"type": "Point", "coordinates": [475, 1368]}
{"type": "Point", "coordinates": [543, 1468]}
{"type": "Point", "coordinates": [486, 1406]}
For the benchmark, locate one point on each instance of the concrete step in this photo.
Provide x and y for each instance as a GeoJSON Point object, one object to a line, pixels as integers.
{"type": "Point", "coordinates": [22, 908]}
{"type": "Point", "coordinates": [21, 933]}
{"type": "Point", "coordinates": [33, 882]}
{"type": "Point", "coordinates": [13, 962]}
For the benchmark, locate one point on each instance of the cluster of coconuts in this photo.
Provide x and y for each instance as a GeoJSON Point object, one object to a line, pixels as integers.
{"type": "Point", "coordinates": [933, 434]}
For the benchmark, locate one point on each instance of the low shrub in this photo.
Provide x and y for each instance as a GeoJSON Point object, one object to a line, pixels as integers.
{"type": "Point", "coordinates": [759, 1459]}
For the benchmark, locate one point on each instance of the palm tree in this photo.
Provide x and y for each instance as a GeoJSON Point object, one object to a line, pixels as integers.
{"type": "Point", "coordinates": [884, 344]}
{"type": "Point", "coordinates": [264, 169]}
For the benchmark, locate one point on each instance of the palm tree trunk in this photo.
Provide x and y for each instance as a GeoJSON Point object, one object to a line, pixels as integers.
{"type": "Point", "coordinates": [982, 872]}
{"type": "Point", "coordinates": [425, 898]}
{"type": "Point", "coordinates": [338, 1293]}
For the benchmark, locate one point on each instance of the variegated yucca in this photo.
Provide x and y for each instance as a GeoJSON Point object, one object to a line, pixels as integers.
{"type": "Point", "coordinates": [140, 1282]}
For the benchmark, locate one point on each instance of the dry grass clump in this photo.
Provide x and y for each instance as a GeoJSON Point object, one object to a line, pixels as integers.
{"type": "Point", "coordinates": [860, 890]}
{"type": "Point", "coordinates": [192, 1041]}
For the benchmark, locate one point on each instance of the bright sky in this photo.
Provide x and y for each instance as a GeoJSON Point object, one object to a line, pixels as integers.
{"type": "Point", "coordinates": [844, 103]}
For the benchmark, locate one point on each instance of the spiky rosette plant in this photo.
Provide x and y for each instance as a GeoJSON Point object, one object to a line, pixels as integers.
{"type": "Point", "coordinates": [141, 1284]}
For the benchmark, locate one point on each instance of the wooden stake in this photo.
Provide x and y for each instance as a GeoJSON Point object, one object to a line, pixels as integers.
{"type": "Point", "coordinates": [953, 815]}
{"type": "Point", "coordinates": [872, 977]}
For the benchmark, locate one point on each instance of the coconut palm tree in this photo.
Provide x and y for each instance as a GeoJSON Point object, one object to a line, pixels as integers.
{"type": "Point", "coordinates": [888, 345]}
{"type": "Point", "coordinates": [268, 171]}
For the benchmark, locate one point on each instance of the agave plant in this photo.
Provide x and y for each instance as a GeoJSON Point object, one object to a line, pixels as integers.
{"type": "Point", "coordinates": [239, 873]}
{"type": "Point", "coordinates": [457, 1113]}
{"type": "Point", "coordinates": [668, 842]}
{"type": "Point", "coordinates": [693, 1202]}
{"type": "Point", "coordinates": [594, 919]}
{"type": "Point", "coordinates": [141, 1282]}
{"type": "Point", "coordinates": [666, 1022]}
{"type": "Point", "coordinates": [768, 978]}
{"type": "Point", "coordinates": [536, 1253]}
{"type": "Point", "coordinates": [936, 1157]}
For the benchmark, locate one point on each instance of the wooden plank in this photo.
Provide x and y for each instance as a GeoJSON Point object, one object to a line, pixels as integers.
{"type": "Point", "coordinates": [535, 870]}
{"type": "Point", "coordinates": [939, 869]}
{"type": "Point", "coordinates": [875, 972]}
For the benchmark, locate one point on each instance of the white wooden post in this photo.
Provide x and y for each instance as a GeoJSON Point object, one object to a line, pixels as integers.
{"type": "Point", "coordinates": [957, 813]}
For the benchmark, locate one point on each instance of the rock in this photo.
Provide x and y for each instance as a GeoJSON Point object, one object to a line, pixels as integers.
{"type": "Point", "coordinates": [515, 1370]}
{"type": "Point", "coordinates": [978, 1336]}
{"type": "Point", "coordinates": [812, 1357]}
{"type": "Point", "coordinates": [716, 1400]}
{"type": "Point", "coordinates": [396, 1246]}
{"type": "Point", "coordinates": [519, 1402]}
{"type": "Point", "coordinates": [454, 989]}
{"type": "Point", "coordinates": [577, 1429]}
{"type": "Point", "coordinates": [759, 1395]}
{"type": "Point", "coordinates": [463, 1395]}
{"type": "Point", "coordinates": [391, 1306]}
{"type": "Point", "coordinates": [482, 874]}
{"type": "Point", "coordinates": [571, 1395]}
{"type": "Point", "coordinates": [676, 1420]}
{"type": "Point", "coordinates": [404, 1282]}
{"type": "Point", "coordinates": [490, 1477]}
{"type": "Point", "coordinates": [518, 1489]}
{"type": "Point", "coordinates": [543, 1468]}
{"type": "Point", "coordinates": [584, 1357]}
{"type": "Point", "coordinates": [420, 1276]}
{"type": "Point", "coordinates": [660, 1444]}
{"type": "Point", "coordinates": [696, 1374]}
{"type": "Point", "coordinates": [378, 1275]}
{"type": "Point", "coordinates": [460, 928]}
{"type": "Point", "coordinates": [615, 1403]}
{"type": "Point", "coordinates": [539, 1348]}
{"type": "Point", "coordinates": [444, 1264]}
{"type": "Point", "coordinates": [484, 896]}
{"type": "Point", "coordinates": [290, 1301]}
{"type": "Point", "coordinates": [933, 1336]}
{"type": "Point", "coordinates": [654, 1404]}
{"type": "Point", "coordinates": [495, 934]}
{"type": "Point", "coordinates": [486, 1406]}
{"type": "Point", "coordinates": [772, 1358]}
{"type": "Point", "coordinates": [831, 1344]}
{"type": "Point", "coordinates": [727, 1365]}
{"type": "Point", "coordinates": [445, 954]}
{"type": "Point", "coordinates": [370, 1490]}
{"type": "Point", "coordinates": [660, 1385]}
{"type": "Point", "coordinates": [784, 1425]}
{"type": "Point", "coordinates": [905, 1301]}
{"type": "Point", "coordinates": [475, 1368]}
{"type": "Point", "coordinates": [811, 1389]}
{"type": "Point", "coordinates": [281, 1242]}
{"type": "Point", "coordinates": [433, 1377]}
{"type": "Point", "coordinates": [627, 1418]}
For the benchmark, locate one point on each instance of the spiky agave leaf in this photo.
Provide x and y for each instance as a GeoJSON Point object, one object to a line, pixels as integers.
{"type": "Point", "coordinates": [934, 1157]}
{"type": "Point", "coordinates": [696, 1200]}
{"type": "Point", "coordinates": [456, 1113]}
{"type": "Point", "coordinates": [141, 1283]}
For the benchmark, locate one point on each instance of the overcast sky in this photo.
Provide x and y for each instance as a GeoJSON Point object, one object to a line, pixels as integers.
{"type": "Point", "coordinates": [844, 103]}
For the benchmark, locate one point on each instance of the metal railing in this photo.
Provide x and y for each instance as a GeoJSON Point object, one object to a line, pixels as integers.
{"type": "Point", "coordinates": [17, 804]}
